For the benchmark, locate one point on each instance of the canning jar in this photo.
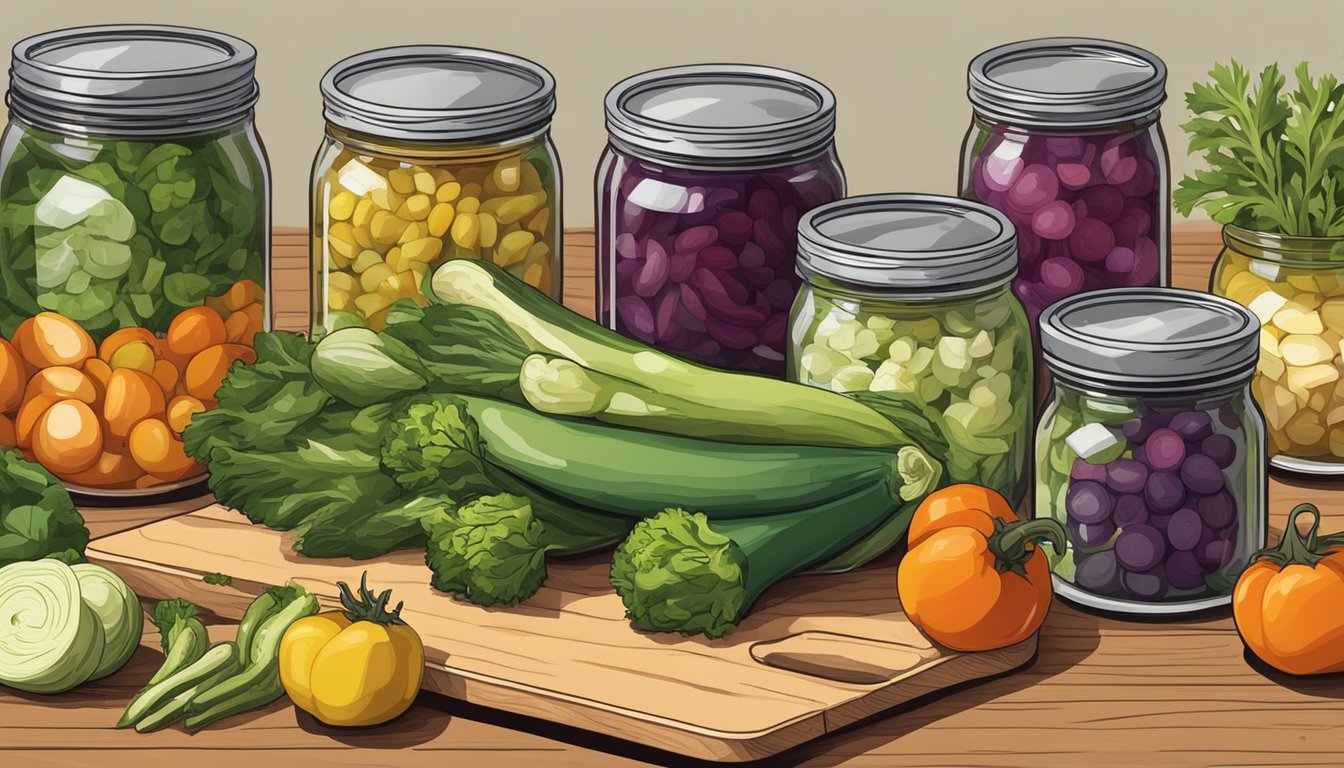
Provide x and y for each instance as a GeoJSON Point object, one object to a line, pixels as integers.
{"type": "Point", "coordinates": [134, 247]}
{"type": "Point", "coordinates": [431, 153]}
{"type": "Point", "coordinates": [1065, 140]}
{"type": "Point", "coordinates": [1295, 285]}
{"type": "Point", "coordinates": [1151, 450]}
{"type": "Point", "coordinates": [907, 297]}
{"type": "Point", "coordinates": [699, 191]}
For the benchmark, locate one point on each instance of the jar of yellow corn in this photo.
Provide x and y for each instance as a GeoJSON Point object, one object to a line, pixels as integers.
{"type": "Point", "coordinates": [1295, 285]}
{"type": "Point", "coordinates": [431, 153]}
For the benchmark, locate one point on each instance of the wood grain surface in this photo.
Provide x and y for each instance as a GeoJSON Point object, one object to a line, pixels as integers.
{"type": "Point", "coordinates": [1102, 692]}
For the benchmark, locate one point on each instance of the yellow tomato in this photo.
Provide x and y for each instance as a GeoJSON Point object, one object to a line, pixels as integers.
{"type": "Point", "coordinates": [361, 666]}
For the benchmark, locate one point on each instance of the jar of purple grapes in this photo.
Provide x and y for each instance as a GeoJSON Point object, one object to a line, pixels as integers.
{"type": "Point", "coordinates": [705, 175]}
{"type": "Point", "coordinates": [1151, 450]}
{"type": "Point", "coordinates": [1065, 140]}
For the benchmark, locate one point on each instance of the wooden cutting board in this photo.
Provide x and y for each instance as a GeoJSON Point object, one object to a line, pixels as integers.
{"type": "Point", "coordinates": [818, 653]}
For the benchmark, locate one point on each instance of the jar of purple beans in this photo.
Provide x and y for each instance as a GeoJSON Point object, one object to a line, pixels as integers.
{"type": "Point", "coordinates": [1151, 450]}
{"type": "Point", "coordinates": [705, 175]}
{"type": "Point", "coordinates": [1065, 140]}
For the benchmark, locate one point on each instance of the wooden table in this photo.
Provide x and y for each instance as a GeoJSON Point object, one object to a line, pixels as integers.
{"type": "Point", "coordinates": [1102, 692]}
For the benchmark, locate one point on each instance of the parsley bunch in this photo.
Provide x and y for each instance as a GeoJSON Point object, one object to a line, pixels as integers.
{"type": "Point", "coordinates": [1276, 159]}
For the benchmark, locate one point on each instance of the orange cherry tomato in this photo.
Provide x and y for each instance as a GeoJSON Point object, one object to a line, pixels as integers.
{"type": "Point", "coordinates": [165, 373]}
{"type": "Point", "coordinates": [180, 411]}
{"type": "Point", "coordinates": [242, 325]}
{"type": "Point", "coordinates": [159, 452]}
{"type": "Point", "coordinates": [242, 293]}
{"type": "Point", "coordinates": [131, 397]}
{"type": "Point", "coordinates": [64, 381]}
{"type": "Point", "coordinates": [13, 375]}
{"type": "Point", "coordinates": [120, 338]}
{"type": "Point", "coordinates": [8, 437]}
{"type": "Point", "coordinates": [68, 438]}
{"type": "Point", "coordinates": [1286, 603]}
{"type": "Point", "coordinates": [195, 329]}
{"type": "Point", "coordinates": [114, 468]}
{"type": "Point", "coordinates": [48, 339]}
{"type": "Point", "coordinates": [29, 413]}
{"type": "Point", "coordinates": [974, 579]}
{"type": "Point", "coordinates": [98, 372]}
{"type": "Point", "coordinates": [207, 370]}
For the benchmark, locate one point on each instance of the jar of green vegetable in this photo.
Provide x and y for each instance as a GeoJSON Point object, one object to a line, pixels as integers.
{"type": "Point", "coordinates": [134, 247]}
{"type": "Point", "coordinates": [906, 300]}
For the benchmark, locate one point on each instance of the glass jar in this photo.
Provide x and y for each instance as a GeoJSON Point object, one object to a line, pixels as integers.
{"type": "Point", "coordinates": [1065, 140]}
{"type": "Point", "coordinates": [699, 192]}
{"type": "Point", "coordinates": [1151, 450]}
{"type": "Point", "coordinates": [907, 297]}
{"type": "Point", "coordinates": [134, 247]}
{"type": "Point", "coordinates": [1295, 285]}
{"type": "Point", "coordinates": [431, 153]}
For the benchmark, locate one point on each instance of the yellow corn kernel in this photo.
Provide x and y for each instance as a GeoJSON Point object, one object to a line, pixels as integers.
{"type": "Point", "coordinates": [471, 189]}
{"type": "Point", "coordinates": [337, 299]}
{"type": "Point", "coordinates": [539, 253]}
{"type": "Point", "coordinates": [418, 207]}
{"type": "Point", "coordinates": [537, 276]}
{"type": "Point", "coordinates": [506, 174]}
{"type": "Point", "coordinates": [363, 238]}
{"type": "Point", "coordinates": [396, 259]}
{"type": "Point", "coordinates": [386, 199]}
{"type": "Point", "coordinates": [402, 181]}
{"type": "Point", "coordinates": [341, 239]}
{"type": "Point", "coordinates": [531, 179]}
{"type": "Point", "coordinates": [442, 176]}
{"type": "Point", "coordinates": [440, 217]}
{"type": "Point", "coordinates": [466, 230]}
{"type": "Point", "coordinates": [367, 259]}
{"type": "Point", "coordinates": [513, 247]}
{"type": "Point", "coordinates": [341, 206]}
{"type": "Point", "coordinates": [426, 249]}
{"type": "Point", "coordinates": [377, 321]}
{"type": "Point", "coordinates": [371, 303]}
{"type": "Point", "coordinates": [414, 231]}
{"type": "Point", "coordinates": [489, 230]}
{"type": "Point", "coordinates": [514, 208]}
{"type": "Point", "coordinates": [1337, 441]}
{"type": "Point", "coordinates": [386, 228]}
{"type": "Point", "coordinates": [539, 221]}
{"type": "Point", "coordinates": [469, 205]}
{"type": "Point", "coordinates": [424, 182]}
{"type": "Point", "coordinates": [343, 281]}
{"type": "Point", "coordinates": [363, 212]}
{"type": "Point", "coordinates": [336, 261]}
{"type": "Point", "coordinates": [448, 192]}
{"type": "Point", "coordinates": [456, 251]}
{"type": "Point", "coordinates": [419, 270]}
{"type": "Point", "coordinates": [371, 277]}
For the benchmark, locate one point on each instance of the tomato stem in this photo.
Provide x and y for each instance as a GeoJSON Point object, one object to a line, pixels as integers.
{"type": "Point", "coordinates": [1009, 541]}
{"type": "Point", "coordinates": [1293, 547]}
{"type": "Point", "coordinates": [368, 607]}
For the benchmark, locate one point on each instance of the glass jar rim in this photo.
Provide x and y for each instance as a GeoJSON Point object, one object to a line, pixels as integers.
{"type": "Point", "coordinates": [433, 151]}
{"type": "Point", "coordinates": [1298, 250]}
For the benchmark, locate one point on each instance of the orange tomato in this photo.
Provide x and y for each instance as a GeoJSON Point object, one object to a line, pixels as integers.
{"type": "Point", "coordinates": [68, 438]}
{"type": "Point", "coordinates": [159, 453]}
{"type": "Point", "coordinates": [120, 338]}
{"type": "Point", "coordinates": [29, 413]}
{"type": "Point", "coordinates": [195, 329]}
{"type": "Point", "coordinates": [1286, 603]}
{"type": "Point", "coordinates": [207, 370]}
{"type": "Point", "coordinates": [974, 579]}
{"type": "Point", "coordinates": [242, 293]}
{"type": "Point", "coordinates": [63, 381]}
{"type": "Point", "coordinates": [244, 324]}
{"type": "Point", "coordinates": [180, 411]}
{"type": "Point", "coordinates": [98, 371]}
{"type": "Point", "coordinates": [48, 339]}
{"type": "Point", "coordinates": [131, 397]}
{"type": "Point", "coordinates": [165, 373]}
{"type": "Point", "coordinates": [114, 467]}
{"type": "Point", "coordinates": [13, 374]}
{"type": "Point", "coordinates": [8, 437]}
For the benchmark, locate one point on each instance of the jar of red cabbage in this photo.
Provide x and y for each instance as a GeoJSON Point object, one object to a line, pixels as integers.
{"type": "Point", "coordinates": [1065, 140]}
{"type": "Point", "coordinates": [699, 192]}
{"type": "Point", "coordinates": [906, 298]}
{"type": "Point", "coordinates": [1151, 450]}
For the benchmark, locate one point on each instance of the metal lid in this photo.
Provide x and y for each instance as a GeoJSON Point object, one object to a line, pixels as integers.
{"type": "Point", "coordinates": [909, 246]}
{"type": "Point", "coordinates": [132, 80]}
{"type": "Point", "coordinates": [1150, 339]}
{"type": "Point", "coordinates": [439, 93]}
{"type": "Point", "coordinates": [1067, 81]}
{"type": "Point", "coordinates": [721, 115]}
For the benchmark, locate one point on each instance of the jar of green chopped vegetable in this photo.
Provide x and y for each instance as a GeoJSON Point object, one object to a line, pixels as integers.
{"type": "Point", "coordinates": [906, 300]}
{"type": "Point", "coordinates": [134, 247]}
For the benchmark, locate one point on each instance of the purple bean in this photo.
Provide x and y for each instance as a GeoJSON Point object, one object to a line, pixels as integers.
{"type": "Point", "coordinates": [769, 241]}
{"type": "Point", "coordinates": [1183, 571]}
{"type": "Point", "coordinates": [653, 276]}
{"type": "Point", "coordinates": [763, 204]}
{"type": "Point", "coordinates": [734, 227]}
{"type": "Point", "coordinates": [664, 319]}
{"type": "Point", "coordinates": [637, 318]}
{"type": "Point", "coordinates": [732, 286]}
{"type": "Point", "coordinates": [695, 239]}
{"type": "Point", "coordinates": [1146, 585]}
{"type": "Point", "coordinates": [772, 333]}
{"type": "Point", "coordinates": [730, 336]}
{"type": "Point", "coordinates": [680, 266]}
{"type": "Point", "coordinates": [691, 301]}
{"type": "Point", "coordinates": [716, 257]}
{"type": "Point", "coordinates": [1073, 175]}
{"type": "Point", "coordinates": [1129, 510]}
{"type": "Point", "coordinates": [1184, 529]}
{"type": "Point", "coordinates": [1104, 202]}
{"type": "Point", "coordinates": [706, 348]}
{"type": "Point", "coordinates": [750, 256]}
{"type": "Point", "coordinates": [626, 246]}
{"type": "Point", "coordinates": [757, 278]}
{"type": "Point", "coordinates": [780, 293]}
{"type": "Point", "coordinates": [1218, 510]}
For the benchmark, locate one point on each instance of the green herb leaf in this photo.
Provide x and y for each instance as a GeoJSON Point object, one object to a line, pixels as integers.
{"type": "Point", "coordinates": [218, 579]}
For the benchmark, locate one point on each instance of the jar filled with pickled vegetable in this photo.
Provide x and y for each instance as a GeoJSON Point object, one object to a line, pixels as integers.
{"type": "Point", "coordinates": [1065, 140]}
{"type": "Point", "coordinates": [705, 175]}
{"type": "Point", "coordinates": [1295, 285]}
{"type": "Point", "coordinates": [1151, 450]}
{"type": "Point", "coordinates": [431, 153]}
{"type": "Point", "coordinates": [134, 248]}
{"type": "Point", "coordinates": [906, 299]}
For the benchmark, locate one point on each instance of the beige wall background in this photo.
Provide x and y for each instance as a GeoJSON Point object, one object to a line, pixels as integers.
{"type": "Point", "coordinates": [898, 68]}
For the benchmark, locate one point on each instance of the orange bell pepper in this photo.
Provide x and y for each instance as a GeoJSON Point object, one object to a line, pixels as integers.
{"type": "Point", "coordinates": [1286, 603]}
{"type": "Point", "coordinates": [974, 579]}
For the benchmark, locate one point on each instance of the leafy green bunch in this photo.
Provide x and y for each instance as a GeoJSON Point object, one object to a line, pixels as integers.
{"type": "Point", "coordinates": [1276, 158]}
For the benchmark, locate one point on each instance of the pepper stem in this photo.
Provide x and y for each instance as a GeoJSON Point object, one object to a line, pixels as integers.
{"type": "Point", "coordinates": [1009, 541]}
{"type": "Point", "coordinates": [1293, 547]}
{"type": "Point", "coordinates": [366, 606]}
